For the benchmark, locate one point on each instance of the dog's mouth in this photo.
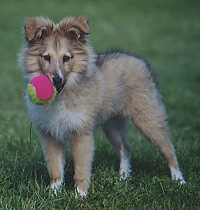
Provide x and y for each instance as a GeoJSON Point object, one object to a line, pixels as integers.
{"type": "Point", "coordinates": [59, 84]}
{"type": "Point", "coordinates": [59, 87]}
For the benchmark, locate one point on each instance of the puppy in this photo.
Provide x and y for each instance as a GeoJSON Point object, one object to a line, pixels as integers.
{"type": "Point", "coordinates": [93, 90]}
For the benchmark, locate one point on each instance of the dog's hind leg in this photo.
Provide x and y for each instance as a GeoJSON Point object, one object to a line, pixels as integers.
{"type": "Point", "coordinates": [54, 153]}
{"type": "Point", "coordinates": [148, 114]}
{"type": "Point", "coordinates": [116, 131]}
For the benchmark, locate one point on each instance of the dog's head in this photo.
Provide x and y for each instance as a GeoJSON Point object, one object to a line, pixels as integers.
{"type": "Point", "coordinates": [59, 51]}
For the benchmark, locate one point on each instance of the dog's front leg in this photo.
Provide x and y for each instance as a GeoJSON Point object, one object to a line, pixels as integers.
{"type": "Point", "coordinates": [82, 150]}
{"type": "Point", "coordinates": [54, 153]}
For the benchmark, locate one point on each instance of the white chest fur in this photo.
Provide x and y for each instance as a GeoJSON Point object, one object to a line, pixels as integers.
{"type": "Point", "coordinates": [56, 118]}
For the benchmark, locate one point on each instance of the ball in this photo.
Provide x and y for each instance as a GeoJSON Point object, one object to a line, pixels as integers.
{"type": "Point", "coordinates": [41, 90]}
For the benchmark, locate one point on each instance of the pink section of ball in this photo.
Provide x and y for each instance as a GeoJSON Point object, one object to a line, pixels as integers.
{"type": "Point", "coordinates": [43, 87]}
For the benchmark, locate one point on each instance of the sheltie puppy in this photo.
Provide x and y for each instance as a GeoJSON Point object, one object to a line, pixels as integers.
{"type": "Point", "coordinates": [93, 90]}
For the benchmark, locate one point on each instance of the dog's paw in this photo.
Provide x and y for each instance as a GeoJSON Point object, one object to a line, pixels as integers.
{"type": "Point", "coordinates": [182, 181]}
{"type": "Point", "coordinates": [80, 193]}
{"type": "Point", "coordinates": [177, 175]}
{"type": "Point", "coordinates": [125, 169]}
{"type": "Point", "coordinates": [124, 173]}
{"type": "Point", "coordinates": [56, 187]}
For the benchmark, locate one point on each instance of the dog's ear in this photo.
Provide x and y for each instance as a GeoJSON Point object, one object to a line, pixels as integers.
{"type": "Point", "coordinates": [37, 27]}
{"type": "Point", "coordinates": [75, 28]}
{"type": "Point", "coordinates": [81, 23]}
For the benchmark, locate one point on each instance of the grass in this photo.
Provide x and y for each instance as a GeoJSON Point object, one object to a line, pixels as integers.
{"type": "Point", "coordinates": [166, 33]}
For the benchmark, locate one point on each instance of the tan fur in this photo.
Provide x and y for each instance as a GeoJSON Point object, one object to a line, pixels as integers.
{"type": "Point", "coordinates": [54, 152]}
{"type": "Point", "coordinates": [103, 90]}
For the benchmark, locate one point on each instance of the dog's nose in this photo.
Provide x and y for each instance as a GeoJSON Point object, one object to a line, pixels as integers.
{"type": "Point", "coordinates": [57, 80]}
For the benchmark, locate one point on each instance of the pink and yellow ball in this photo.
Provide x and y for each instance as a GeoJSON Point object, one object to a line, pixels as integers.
{"type": "Point", "coordinates": [41, 90]}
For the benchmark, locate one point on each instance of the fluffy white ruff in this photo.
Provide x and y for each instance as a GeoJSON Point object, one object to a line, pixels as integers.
{"type": "Point", "coordinates": [56, 119]}
{"type": "Point", "coordinates": [177, 175]}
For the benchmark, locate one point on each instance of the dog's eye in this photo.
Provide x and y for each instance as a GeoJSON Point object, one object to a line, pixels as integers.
{"type": "Point", "coordinates": [47, 58]}
{"type": "Point", "coordinates": [66, 58]}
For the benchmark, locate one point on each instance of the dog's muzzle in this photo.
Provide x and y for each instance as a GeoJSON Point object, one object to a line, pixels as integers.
{"type": "Point", "coordinates": [59, 83]}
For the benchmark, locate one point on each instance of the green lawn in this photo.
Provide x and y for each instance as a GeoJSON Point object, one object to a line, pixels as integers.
{"type": "Point", "coordinates": [167, 35]}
